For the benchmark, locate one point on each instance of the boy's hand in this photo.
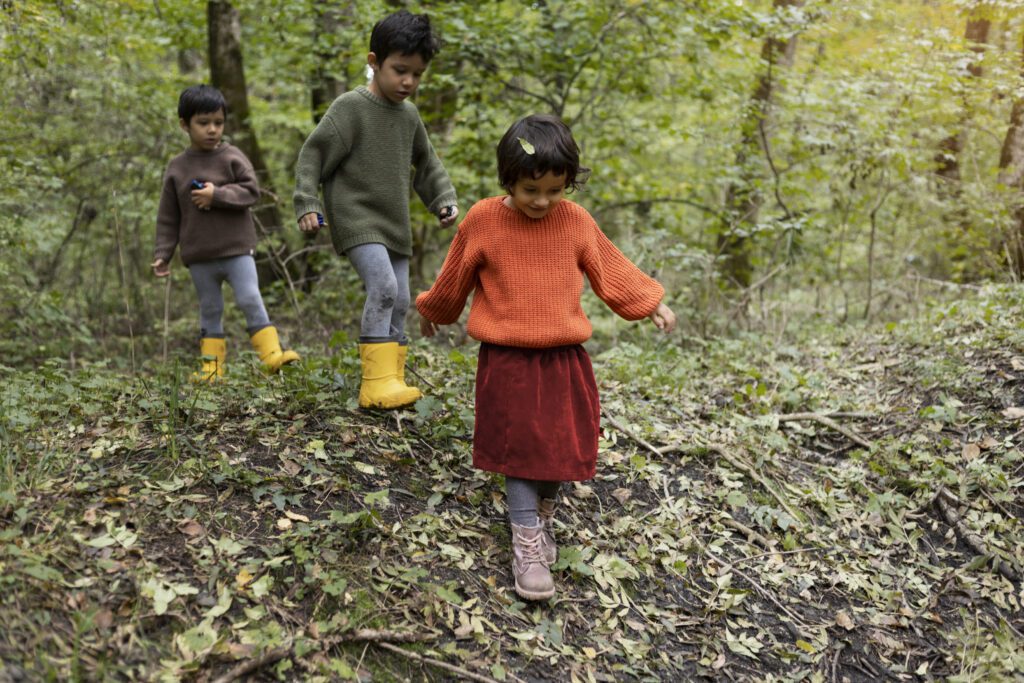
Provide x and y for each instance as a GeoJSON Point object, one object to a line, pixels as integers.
{"type": "Point", "coordinates": [203, 199]}
{"type": "Point", "coordinates": [427, 328]}
{"type": "Point", "coordinates": [161, 268]}
{"type": "Point", "coordinates": [310, 223]}
{"type": "Point", "coordinates": [663, 318]}
{"type": "Point", "coordinates": [448, 215]}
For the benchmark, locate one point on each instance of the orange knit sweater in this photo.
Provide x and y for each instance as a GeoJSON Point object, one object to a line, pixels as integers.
{"type": "Point", "coordinates": [528, 276]}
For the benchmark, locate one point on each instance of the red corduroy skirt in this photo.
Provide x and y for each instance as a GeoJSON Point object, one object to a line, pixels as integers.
{"type": "Point", "coordinates": [537, 413]}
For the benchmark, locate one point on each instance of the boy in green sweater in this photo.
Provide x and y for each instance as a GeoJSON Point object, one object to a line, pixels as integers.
{"type": "Point", "coordinates": [204, 209]}
{"type": "Point", "coordinates": [360, 153]}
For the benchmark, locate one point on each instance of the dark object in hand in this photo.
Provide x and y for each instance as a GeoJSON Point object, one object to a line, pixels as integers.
{"type": "Point", "coordinates": [197, 184]}
{"type": "Point", "coordinates": [320, 219]}
{"type": "Point", "coordinates": [447, 212]}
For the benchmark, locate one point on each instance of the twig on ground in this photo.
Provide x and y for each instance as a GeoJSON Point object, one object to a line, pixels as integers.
{"type": "Point", "coordinates": [835, 660]}
{"type": "Point", "coordinates": [748, 532]}
{"type": "Point", "coordinates": [618, 425]}
{"type": "Point", "coordinates": [828, 422]}
{"type": "Point", "coordinates": [370, 635]}
{"type": "Point", "coordinates": [743, 466]}
{"type": "Point", "coordinates": [973, 540]}
{"type": "Point", "coordinates": [436, 662]}
{"type": "Point", "coordinates": [250, 665]}
{"type": "Point", "coordinates": [791, 626]}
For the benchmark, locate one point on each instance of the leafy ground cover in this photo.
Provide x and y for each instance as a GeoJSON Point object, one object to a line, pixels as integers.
{"type": "Point", "coordinates": [844, 505]}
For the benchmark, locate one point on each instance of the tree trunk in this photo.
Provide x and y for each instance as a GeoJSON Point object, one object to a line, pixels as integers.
{"type": "Point", "coordinates": [952, 147]}
{"type": "Point", "coordinates": [227, 74]}
{"type": "Point", "coordinates": [742, 201]}
{"type": "Point", "coordinates": [1011, 172]}
{"type": "Point", "coordinates": [326, 85]}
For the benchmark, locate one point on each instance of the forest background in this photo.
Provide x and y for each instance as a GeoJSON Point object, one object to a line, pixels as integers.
{"type": "Point", "coordinates": [820, 185]}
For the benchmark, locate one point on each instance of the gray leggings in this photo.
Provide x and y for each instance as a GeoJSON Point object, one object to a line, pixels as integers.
{"type": "Point", "coordinates": [522, 496]}
{"type": "Point", "coordinates": [240, 272]}
{"type": "Point", "coordinates": [385, 275]}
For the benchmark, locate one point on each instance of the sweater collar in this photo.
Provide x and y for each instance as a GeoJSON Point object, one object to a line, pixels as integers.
{"type": "Point", "coordinates": [387, 104]}
{"type": "Point", "coordinates": [221, 148]}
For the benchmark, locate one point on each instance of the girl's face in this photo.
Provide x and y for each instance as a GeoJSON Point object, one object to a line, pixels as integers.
{"type": "Point", "coordinates": [537, 196]}
{"type": "Point", "coordinates": [205, 130]}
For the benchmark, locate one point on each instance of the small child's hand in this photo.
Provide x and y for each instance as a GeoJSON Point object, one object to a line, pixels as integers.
{"type": "Point", "coordinates": [203, 199]}
{"type": "Point", "coordinates": [663, 318]}
{"type": "Point", "coordinates": [161, 268]}
{"type": "Point", "coordinates": [310, 223]}
{"type": "Point", "coordinates": [427, 328]}
{"type": "Point", "coordinates": [448, 215]}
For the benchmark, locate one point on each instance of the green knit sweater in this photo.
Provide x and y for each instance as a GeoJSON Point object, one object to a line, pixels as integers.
{"type": "Point", "coordinates": [361, 152]}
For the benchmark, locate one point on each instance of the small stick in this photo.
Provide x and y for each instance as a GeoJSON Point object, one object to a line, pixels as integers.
{"type": "Point", "coordinates": [750, 534]}
{"type": "Point", "coordinates": [436, 662]}
{"type": "Point", "coordinates": [618, 425]}
{"type": "Point", "coordinates": [973, 540]}
{"type": "Point", "coordinates": [250, 665]}
{"type": "Point", "coordinates": [167, 314]}
{"type": "Point", "coordinates": [828, 422]}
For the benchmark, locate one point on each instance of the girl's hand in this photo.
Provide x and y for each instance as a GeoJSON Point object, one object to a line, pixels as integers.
{"type": "Point", "coordinates": [203, 199]}
{"type": "Point", "coordinates": [309, 223]}
{"type": "Point", "coordinates": [448, 215]}
{"type": "Point", "coordinates": [161, 268]}
{"type": "Point", "coordinates": [663, 318]}
{"type": "Point", "coordinates": [427, 328]}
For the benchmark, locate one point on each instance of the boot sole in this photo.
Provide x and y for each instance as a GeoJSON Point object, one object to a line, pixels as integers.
{"type": "Point", "coordinates": [530, 595]}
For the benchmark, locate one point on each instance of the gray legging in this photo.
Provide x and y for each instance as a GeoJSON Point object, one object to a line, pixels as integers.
{"type": "Point", "coordinates": [240, 272]}
{"type": "Point", "coordinates": [522, 496]}
{"type": "Point", "coordinates": [385, 275]}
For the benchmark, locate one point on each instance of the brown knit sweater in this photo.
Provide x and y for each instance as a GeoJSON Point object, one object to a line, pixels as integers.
{"type": "Point", "coordinates": [528, 276]}
{"type": "Point", "coordinates": [227, 228]}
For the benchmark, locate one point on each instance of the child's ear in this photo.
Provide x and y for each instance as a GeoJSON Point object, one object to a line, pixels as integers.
{"type": "Point", "coordinates": [371, 60]}
{"type": "Point", "coordinates": [184, 124]}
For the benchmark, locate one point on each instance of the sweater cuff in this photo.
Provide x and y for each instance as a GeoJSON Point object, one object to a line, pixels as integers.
{"type": "Point", "coordinates": [446, 199]}
{"type": "Point", "coordinates": [307, 206]}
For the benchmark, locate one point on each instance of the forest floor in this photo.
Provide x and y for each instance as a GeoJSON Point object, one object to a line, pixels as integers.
{"type": "Point", "coordinates": [845, 505]}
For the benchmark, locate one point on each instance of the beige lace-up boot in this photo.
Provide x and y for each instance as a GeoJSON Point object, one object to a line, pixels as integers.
{"type": "Point", "coordinates": [529, 566]}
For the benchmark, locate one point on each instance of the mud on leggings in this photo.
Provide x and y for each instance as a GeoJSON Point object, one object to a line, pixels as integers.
{"type": "Point", "coordinates": [522, 496]}
{"type": "Point", "coordinates": [385, 274]}
{"type": "Point", "coordinates": [240, 272]}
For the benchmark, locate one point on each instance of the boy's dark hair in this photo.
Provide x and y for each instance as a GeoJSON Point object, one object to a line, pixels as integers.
{"type": "Point", "coordinates": [200, 99]}
{"type": "Point", "coordinates": [536, 144]}
{"type": "Point", "coordinates": [406, 34]}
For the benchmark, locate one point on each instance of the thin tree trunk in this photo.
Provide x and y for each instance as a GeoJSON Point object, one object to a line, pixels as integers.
{"type": "Point", "coordinates": [326, 85]}
{"type": "Point", "coordinates": [227, 74]}
{"type": "Point", "coordinates": [1011, 173]}
{"type": "Point", "coordinates": [742, 201]}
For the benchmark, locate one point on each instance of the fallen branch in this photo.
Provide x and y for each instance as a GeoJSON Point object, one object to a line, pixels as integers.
{"type": "Point", "coordinates": [748, 532]}
{"type": "Point", "coordinates": [828, 422]}
{"type": "Point", "coordinates": [380, 637]}
{"type": "Point", "coordinates": [973, 540]}
{"type": "Point", "coordinates": [463, 673]}
{"type": "Point", "coordinates": [618, 425]}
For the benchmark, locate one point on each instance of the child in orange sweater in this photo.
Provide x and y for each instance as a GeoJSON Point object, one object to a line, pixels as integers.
{"type": "Point", "coordinates": [525, 254]}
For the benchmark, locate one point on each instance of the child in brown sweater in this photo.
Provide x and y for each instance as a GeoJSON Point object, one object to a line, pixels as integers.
{"type": "Point", "coordinates": [204, 208]}
{"type": "Point", "coordinates": [524, 256]}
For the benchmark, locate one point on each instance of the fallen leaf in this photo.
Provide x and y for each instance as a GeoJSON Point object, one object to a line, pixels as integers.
{"type": "Point", "coordinates": [243, 577]}
{"type": "Point", "coordinates": [191, 527]}
{"type": "Point", "coordinates": [296, 517]}
{"type": "Point", "coordinates": [291, 467]}
{"type": "Point", "coordinates": [971, 451]}
{"type": "Point", "coordinates": [622, 495]}
{"type": "Point", "coordinates": [988, 442]}
{"type": "Point", "coordinates": [719, 661]}
{"type": "Point", "coordinates": [284, 524]}
{"type": "Point", "coordinates": [1017, 363]}
{"type": "Point", "coordinates": [843, 619]}
{"type": "Point", "coordinates": [89, 516]}
{"type": "Point", "coordinates": [1013, 413]}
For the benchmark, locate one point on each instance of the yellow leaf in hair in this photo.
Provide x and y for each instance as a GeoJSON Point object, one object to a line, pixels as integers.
{"type": "Point", "coordinates": [527, 147]}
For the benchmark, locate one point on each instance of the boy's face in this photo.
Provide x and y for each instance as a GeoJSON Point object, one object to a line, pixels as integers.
{"type": "Point", "coordinates": [204, 130]}
{"type": "Point", "coordinates": [537, 196]}
{"type": "Point", "coordinates": [397, 77]}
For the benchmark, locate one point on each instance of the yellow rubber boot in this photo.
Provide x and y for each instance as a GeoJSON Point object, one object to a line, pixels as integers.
{"type": "Point", "coordinates": [268, 348]}
{"type": "Point", "coordinates": [380, 387]}
{"type": "Point", "coordinates": [213, 351]}
{"type": "Point", "coordinates": [403, 352]}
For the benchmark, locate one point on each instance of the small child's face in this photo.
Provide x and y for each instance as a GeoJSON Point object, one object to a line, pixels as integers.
{"type": "Point", "coordinates": [537, 196]}
{"type": "Point", "coordinates": [205, 130]}
{"type": "Point", "coordinates": [397, 77]}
